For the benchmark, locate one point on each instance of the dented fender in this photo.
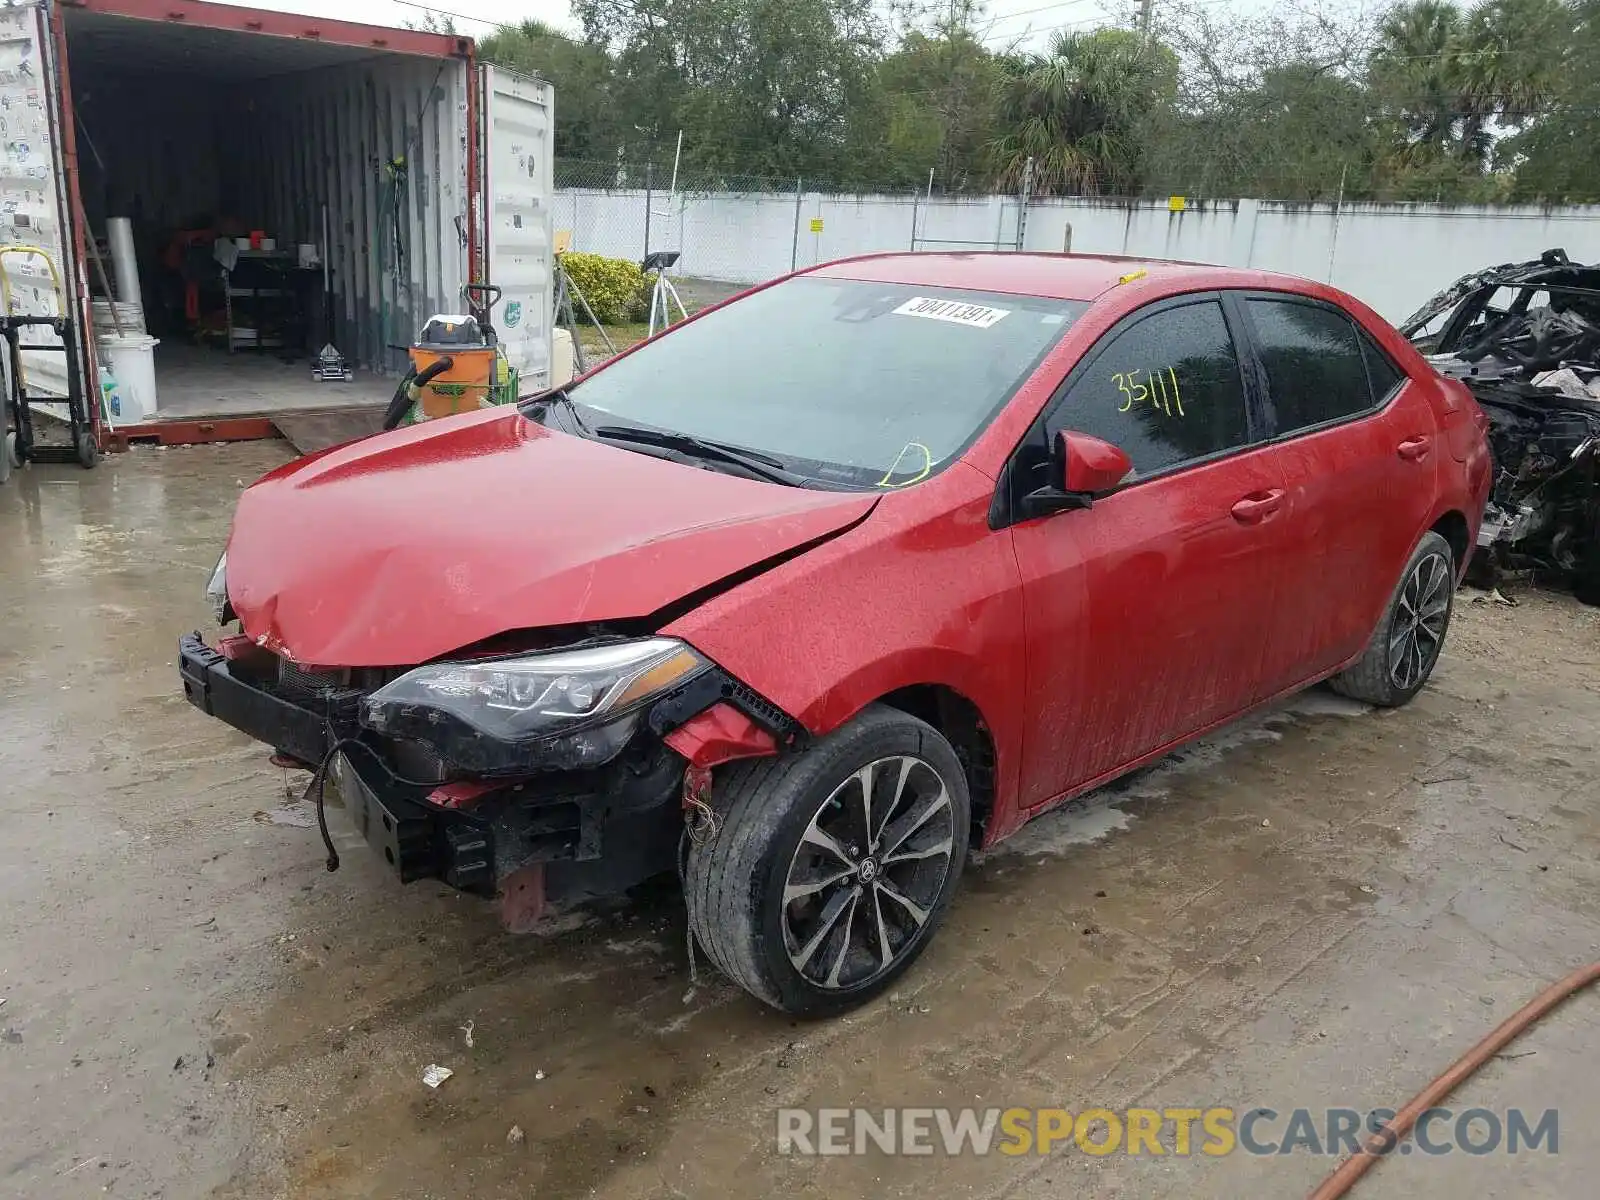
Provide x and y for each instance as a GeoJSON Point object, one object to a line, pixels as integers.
{"type": "Point", "coordinates": [925, 593]}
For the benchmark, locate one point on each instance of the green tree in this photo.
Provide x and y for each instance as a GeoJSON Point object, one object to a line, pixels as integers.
{"type": "Point", "coordinates": [1454, 84]}
{"type": "Point", "coordinates": [1455, 80]}
{"type": "Point", "coordinates": [1556, 155]}
{"type": "Point", "coordinates": [1079, 112]}
{"type": "Point", "coordinates": [767, 87]}
{"type": "Point", "coordinates": [1311, 128]}
{"type": "Point", "coordinates": [433, 22]}
{"type": "Point", "coordinates": [1429, 99]}
{"type": "Point", "coordinates": [938, 105]}
{"type": "Point", "coordinates": [1273, 105]}
{"type": "Point", "coordinates": [1418, 72]}
{"type": "Point", "coordinates": [1514, 58]}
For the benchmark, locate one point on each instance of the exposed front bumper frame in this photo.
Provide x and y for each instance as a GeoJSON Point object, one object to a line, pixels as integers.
{"type": "Point", "coordinates": [613, 825]}
{"type": "Point", "coordinates": [416, 839]}
{"type": "Point", "coordinates": [211, 686]}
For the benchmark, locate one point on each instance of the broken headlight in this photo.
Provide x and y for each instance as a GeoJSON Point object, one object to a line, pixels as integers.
{"type": "Point", "coordinates": [560, 710]}
{"type": "Point", "coordinates": [217, 591]}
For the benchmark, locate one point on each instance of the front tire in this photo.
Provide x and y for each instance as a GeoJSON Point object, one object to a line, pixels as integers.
{"type": "Point", "coordinates": [1405, 647]}
{"type": "Point", "coordinates": [830, 869]}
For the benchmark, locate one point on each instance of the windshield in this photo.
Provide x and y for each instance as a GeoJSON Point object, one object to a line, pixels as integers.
{"type": "Point", "coordinates": [843, 382]}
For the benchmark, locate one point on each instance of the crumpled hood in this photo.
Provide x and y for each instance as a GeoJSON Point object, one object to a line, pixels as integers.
{"type": "Point", "coordinates": [403, 547]}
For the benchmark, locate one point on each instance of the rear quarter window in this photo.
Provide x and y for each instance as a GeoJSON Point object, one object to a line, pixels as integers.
{"type": "Point", "coordinates": [1382, 375]}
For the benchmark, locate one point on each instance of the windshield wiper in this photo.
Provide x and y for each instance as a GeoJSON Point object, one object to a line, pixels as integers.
{"type": "Point", "coordinates": [763, 466]}
{"type": "Point", "coordinates": [564, 398]}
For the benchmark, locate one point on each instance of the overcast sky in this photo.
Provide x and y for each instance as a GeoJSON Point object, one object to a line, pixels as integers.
{"type": "Point", "coordinates": [1031, 21]}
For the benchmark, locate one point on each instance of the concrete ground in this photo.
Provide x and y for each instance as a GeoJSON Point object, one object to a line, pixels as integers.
{"type": "Point", "coordinates": [1320, 907]}
{"type": "Point", "coordinates": [203, 381]}
{"type": "Point", "coordinates": [702, 293]}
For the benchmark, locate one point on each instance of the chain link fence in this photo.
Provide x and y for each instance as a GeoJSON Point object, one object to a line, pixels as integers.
{"type": "Point", "coordinates": [733, 230]}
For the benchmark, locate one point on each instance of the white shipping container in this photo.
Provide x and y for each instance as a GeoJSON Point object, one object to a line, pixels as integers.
{"type": "Point", "coordinates": [409, 166]}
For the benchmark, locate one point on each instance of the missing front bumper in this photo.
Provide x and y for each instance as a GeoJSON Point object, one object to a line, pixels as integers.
{"type": "Point", "coordinates": [597, 831]}
{"type": "Point", "coordinates": [211, 686]}
{"type": "Point", "coordinates": [415, 839]}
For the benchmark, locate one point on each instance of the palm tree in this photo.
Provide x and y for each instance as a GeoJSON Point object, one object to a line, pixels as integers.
{"type": "Point", "coordinates": [1077, 112]}
{"type": "Point", "coordinates": [1418, 62]}
{"type": "Point", "coordinates": [1454, 77]}
{"type": "Point", "coordinates": [1555, 155]}
{"type": "Point", "coordinates": [1511, 60]}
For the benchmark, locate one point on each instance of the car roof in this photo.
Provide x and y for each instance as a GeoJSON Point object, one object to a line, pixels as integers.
{"type": "Point", "coordinates": [1052, 276]}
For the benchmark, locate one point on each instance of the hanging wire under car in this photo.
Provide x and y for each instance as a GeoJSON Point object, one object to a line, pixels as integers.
{"type": "Point", "coordinates": [319, 785]}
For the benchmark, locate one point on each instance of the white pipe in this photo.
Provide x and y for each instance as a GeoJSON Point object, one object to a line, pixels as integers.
{"type": "Point", "coordinates": [124, 263]}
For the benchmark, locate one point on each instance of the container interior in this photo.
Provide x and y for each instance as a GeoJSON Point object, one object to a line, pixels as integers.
{"type": "Point", "coordinates": [281, 192]}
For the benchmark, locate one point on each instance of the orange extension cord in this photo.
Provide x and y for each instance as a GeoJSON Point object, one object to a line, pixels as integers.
{"type": "Point", "coordinates": [1354, 1167]}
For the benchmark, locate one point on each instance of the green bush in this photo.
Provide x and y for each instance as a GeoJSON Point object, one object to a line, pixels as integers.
{"type": "Point", "coordinates": [614, 287]}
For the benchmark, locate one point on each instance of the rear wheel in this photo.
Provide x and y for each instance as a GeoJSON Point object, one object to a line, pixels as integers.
{"type": "Point", "coordinates": [829, 870]}
{"type": "Point", "coordinates": [1405, 647]}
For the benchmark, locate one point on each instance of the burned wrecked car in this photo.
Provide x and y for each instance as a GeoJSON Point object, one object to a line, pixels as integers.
{"type": "Point", "coordinates": [1525, 338]}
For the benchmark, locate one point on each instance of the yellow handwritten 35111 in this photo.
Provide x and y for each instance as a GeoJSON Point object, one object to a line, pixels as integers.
{"type": "Point", "coordinates": [1137, 391]}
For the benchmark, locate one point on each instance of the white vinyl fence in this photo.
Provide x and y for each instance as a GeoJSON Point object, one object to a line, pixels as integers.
{"type": "Point", "coordinates": [1393, 256]}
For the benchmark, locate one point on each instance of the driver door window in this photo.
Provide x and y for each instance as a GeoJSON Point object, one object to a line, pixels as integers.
{"type": "Point", "coordinates": [1167, 390]}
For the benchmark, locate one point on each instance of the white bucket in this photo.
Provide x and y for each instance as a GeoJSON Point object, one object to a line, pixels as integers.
{"type": "Point", "coordinates": [133, 362]}
{"type": "Point", "coordinates": [129, 316]}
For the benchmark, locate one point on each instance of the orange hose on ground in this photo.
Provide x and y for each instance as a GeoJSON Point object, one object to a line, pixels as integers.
{"type": "Point", "coordinates": [1354, 1167]}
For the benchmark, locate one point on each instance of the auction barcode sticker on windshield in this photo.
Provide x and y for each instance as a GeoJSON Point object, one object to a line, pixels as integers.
{"type": "Point", "coordinates": [954, 311]}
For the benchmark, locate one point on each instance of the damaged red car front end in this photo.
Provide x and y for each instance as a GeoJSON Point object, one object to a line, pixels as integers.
{"type": "Point", "coordinates": [828, 583]}
{"type": "Point", "coordinates": [450, 545]}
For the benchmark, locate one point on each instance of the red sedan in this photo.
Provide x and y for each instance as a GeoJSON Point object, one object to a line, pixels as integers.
{"type": "Point", "coordinates": [822, 587]}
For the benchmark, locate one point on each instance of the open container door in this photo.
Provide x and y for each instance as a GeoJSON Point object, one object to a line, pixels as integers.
{"type": "Point", "coordinates": [38, 271]}
{"type": "Point", "coordinates": [517, 127]}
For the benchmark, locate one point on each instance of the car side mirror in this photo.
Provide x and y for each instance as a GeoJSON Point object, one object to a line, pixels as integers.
{"type": "Point", "coordinates": [1085, 467]}
{"type": "Point", "coordinates": [1091, 466]}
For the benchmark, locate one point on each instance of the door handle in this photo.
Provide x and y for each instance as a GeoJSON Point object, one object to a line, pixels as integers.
{"type": "Point", "coordinates": [1257, 506]}
{"type": "Point", "coordinates": [1414, 449]}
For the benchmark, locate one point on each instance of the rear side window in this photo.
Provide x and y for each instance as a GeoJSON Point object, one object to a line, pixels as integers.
{"type": "Point", "coordinates": [1382, 374]}
{"type": "Point", "coordinates": [1165, 390]}
{"type": "Point", "coordinates": [1315, 369]}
